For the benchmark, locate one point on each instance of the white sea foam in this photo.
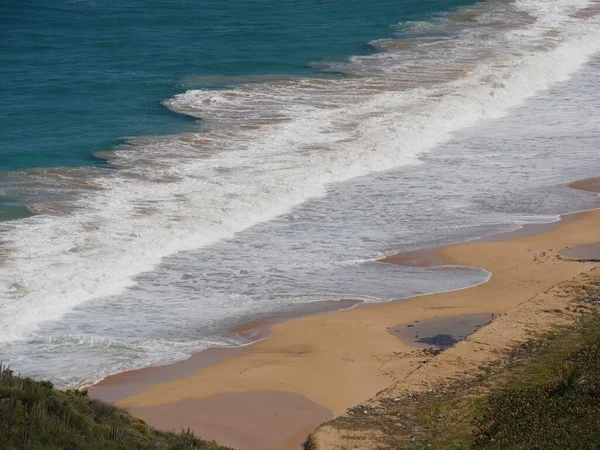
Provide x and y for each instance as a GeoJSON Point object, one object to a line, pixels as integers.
{"type": "Point", "coordinates": [270, 146]}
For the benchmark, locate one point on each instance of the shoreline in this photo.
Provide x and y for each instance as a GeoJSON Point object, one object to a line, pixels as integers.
{"type": "Point", "coordinates": [284, 363]}
{"type": "Point", "coordinates": [115, 387]}
{"type": "Point", "coordinates": [259, 328]}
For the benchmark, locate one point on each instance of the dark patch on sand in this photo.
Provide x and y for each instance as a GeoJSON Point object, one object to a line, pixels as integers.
{"type": "Point", "coordinates": [585, 252]}
{"type": "Point", "coordinates": [255, 420]}
{"type": "Point", "coordinates": [440, 333]}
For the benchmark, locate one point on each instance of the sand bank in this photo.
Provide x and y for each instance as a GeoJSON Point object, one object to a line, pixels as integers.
{"type": "Point", "coordinates": [321, 365]}
{"type": "Point", "coordinates": [588, 184]}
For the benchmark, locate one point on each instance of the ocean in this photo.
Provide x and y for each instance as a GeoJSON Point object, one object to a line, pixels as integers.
{"type": "Point", "coordinates": [169, 170]}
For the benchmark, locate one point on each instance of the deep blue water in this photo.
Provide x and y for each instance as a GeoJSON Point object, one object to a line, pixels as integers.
{"type": "Point", "coordinates": [79, 76]}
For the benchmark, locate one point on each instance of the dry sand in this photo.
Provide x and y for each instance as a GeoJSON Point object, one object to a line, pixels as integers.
{"type": "Point", "coordinates": [313, 367]}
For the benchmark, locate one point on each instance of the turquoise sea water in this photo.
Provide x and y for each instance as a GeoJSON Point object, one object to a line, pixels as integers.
{"type": "Point", "coordinates": [79, 76]}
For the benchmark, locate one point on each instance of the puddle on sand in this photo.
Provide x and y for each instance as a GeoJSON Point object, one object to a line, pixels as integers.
{"type": "Point", "coordinates": [442, 332]}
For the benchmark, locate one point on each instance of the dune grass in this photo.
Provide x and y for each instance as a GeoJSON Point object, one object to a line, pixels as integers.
{"type": "Point", "coordinates": [34, 415]}
{"type": "Point", "coordinates": [561, 413]}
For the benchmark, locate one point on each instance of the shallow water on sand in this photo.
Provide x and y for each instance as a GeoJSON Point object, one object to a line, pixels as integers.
{"type": "Point", "coordinates": [442, 332]}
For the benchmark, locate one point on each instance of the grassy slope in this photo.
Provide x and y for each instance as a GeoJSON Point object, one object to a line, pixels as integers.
{"type": "Point", "coordinates": [34, 416]}
{"type": "Point", "coordinates": [545, 395]}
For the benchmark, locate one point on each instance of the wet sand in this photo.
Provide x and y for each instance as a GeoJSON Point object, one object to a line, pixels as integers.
{"type": "Point", "coordinates": [418, 258]}
{"type": "Point", "coordinates": [339, 359]}
{"type": "Point", "coordinates": [588, 184]}
{"type": "Point", "coordinates": [129, 383]}
{"type": "Point", "coordinates": [289, 417]}
{"type": "Point", "coordinates": [125, 384]}
{"type": "Point", "coordinates": [586, 252]}
{"type": "Point", "coordinates": [260, 327]}
{"type": "Point", "coordinates": [440, 333]}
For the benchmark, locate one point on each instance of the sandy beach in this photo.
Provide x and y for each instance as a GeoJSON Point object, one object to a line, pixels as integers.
{"type": "Point", "coordinates": [272, 394]}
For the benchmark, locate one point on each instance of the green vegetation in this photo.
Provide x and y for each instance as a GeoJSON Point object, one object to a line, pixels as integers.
{"type": "Point", "coordinates": [544, 395]}
{"type": "Point", "coordinates": [563, 413]}
{"type": "Point", "coordinates": [34, 415]}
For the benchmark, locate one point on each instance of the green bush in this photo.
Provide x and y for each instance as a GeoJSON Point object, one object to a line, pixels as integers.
{"type": "Point", "coordinates": [35, 416]}
{"type": "Point", "coordinates": [562, 414]}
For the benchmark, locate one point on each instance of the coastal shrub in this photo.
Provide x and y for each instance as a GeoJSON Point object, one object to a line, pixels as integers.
{"type": "Point", "coordinates": [35, 416]}
{"type": "Point", "coordinates": [561, 414]}
{"type": "Point", "coordinates": [569, 377]}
